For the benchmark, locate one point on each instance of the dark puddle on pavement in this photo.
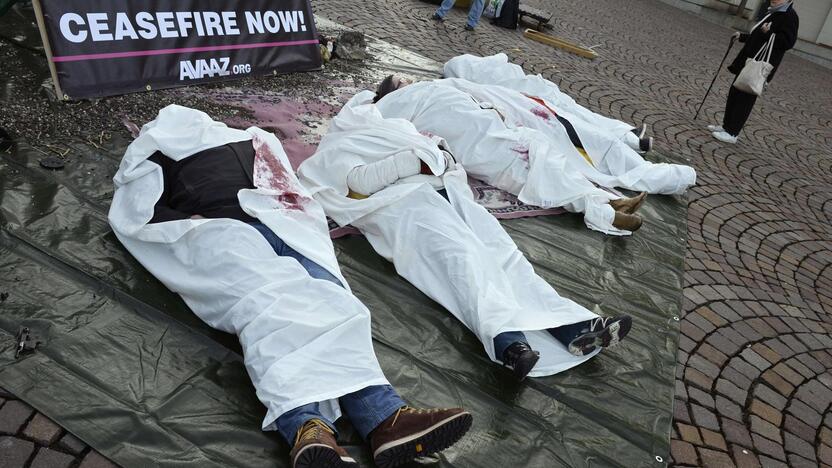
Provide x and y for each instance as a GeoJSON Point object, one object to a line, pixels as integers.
{"type": "Point", "coordinates": [131, 371]}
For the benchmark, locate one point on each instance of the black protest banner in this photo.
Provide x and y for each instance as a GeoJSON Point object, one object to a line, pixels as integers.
{"type": "Point", "coordinates": [102, 47]}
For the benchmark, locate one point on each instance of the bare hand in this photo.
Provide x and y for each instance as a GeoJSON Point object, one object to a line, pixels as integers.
{"type": "Point", "coordinates": [196, 216]}
{"type": "Point", "coordinates": [765, 27]}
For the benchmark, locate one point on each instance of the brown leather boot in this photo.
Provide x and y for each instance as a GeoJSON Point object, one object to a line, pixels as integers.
{"type": "Point", "coordinates": [628, 222]}
{"type": "Point", "coordinates": [629, 205]}
{"type": "Point", "coordinates": [315, 447]}
{"type": "Point", "coordinates": [413, 432]}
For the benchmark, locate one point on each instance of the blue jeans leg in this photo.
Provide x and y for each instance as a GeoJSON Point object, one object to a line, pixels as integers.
{"type": "Point", "coordinates": [566, 333]}
{"type": "Point", "coordinates": [366, 408]}
{"type": "Point", "coordinates": [506, 339]}
{"type": "Point", "coordinates": [370, 406]}
{"type": "Point", "coordinates": [475, 12]}
{"type": "Point", "coordinates": [280, 248]}
{"type": "Point", "coordinates": [445, 7]}
{"type": "Point", "coordinates": [291, 421]}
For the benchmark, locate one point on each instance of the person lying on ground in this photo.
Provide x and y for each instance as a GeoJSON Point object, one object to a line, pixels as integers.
{"type": "Point", "coordinates": [520, 160]}
{"type": "Point", "coordinates": [218, 216]}
{"type": "Point", "coordinates": [381, 176]}
{"type": "Point", "coordinates": [496, 70]}
{"type": "Point", "coordinates": [598, 153]}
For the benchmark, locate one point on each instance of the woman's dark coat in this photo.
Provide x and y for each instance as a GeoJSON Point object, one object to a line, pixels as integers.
{"type": "Point", "coordinates": [784, 24]}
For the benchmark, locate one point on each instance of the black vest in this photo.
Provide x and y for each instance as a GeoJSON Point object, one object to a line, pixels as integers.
{"type": "Point", "coordinates": [205, 183]}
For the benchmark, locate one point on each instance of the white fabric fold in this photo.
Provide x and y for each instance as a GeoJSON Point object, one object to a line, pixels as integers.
{"type": "Point", "coordinates": [497, 70]}
{"type": "Point", "coordinates": [614, 162]}
{"type": "Point", "coordinates": [371, 178]}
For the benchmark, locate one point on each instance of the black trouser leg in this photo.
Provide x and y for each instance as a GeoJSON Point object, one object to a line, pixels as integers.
{"type": "Point", "coordinates": [737, 110]}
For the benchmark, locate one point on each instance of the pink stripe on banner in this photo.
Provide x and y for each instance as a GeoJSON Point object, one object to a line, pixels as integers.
{"type": "Point", "coordinates": [139, 53]}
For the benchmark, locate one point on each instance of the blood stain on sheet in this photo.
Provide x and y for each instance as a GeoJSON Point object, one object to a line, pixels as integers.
{"type": "Point", "coordinates": [523, 151]}
{"type": "Point", "coordinates": [541, 112]}
{"type": "Point", "coordinates": [269, 173]}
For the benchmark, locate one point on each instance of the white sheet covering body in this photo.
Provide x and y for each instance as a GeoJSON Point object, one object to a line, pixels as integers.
{"type": "Point", "coordinates": [519, 160]}
{"type": "Point", "coordinates": [497, 70]}
{"type": "Point", "coordinates": [304, 340]}
{"type": "Point", "coordinates": [613, 162]}
{"type": "Point", "coordinates": [453, 250]}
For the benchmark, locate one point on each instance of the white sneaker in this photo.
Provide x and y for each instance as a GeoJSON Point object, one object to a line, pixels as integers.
{"type": "Point", "coordinates": [640, 132]}
{"type": "Point", "coordinates": [724, 137]}
{"type": "Point", "coordinates": [636, 140]}
{"type": "Point", "coordinates": [715, 128]}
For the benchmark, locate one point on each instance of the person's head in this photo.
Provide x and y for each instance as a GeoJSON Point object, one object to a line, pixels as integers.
{"type": "Point", "coordinates": [777, 3]}
{"type": "Point", "coordinates": [388, 85]}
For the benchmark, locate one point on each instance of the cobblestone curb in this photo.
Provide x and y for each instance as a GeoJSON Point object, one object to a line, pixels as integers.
{"type": "Point", "coordinates": [29, 439]}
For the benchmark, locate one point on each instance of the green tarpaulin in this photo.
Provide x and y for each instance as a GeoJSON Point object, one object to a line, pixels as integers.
{"type": "Point", "coordinates": [5, 5]}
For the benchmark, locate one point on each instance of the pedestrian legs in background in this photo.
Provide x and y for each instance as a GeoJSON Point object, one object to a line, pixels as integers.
{"type": "Point", "coordinates": [737, 110]}
{"type": "Point", "coordinates": [474, 12]}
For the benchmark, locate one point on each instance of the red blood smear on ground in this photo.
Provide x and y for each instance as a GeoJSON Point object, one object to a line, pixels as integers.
{"type": "Point", "coordinates": [542, 113]}
{"type": "Point", "coordinates": [289, 120]}
{"type": "Point", "coordinates": [269, 173]}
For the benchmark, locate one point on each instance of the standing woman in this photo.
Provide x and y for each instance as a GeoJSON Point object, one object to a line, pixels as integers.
{"type": "Point", "coordinates": [781, 20]}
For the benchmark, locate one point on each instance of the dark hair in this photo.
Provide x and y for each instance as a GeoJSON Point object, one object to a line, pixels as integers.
{"type": "Point", "coordinates": [384, 88]}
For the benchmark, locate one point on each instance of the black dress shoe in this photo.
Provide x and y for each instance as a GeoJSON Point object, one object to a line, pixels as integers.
{"type": "Point", "coordinates": [520, 358]}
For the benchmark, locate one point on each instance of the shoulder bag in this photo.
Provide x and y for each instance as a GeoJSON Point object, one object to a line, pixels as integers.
{"type": "Point", "coordinates": [752, 77]}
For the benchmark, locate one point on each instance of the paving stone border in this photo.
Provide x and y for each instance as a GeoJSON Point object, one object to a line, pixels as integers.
{"type": "Point", "coordinates": [28, 439]}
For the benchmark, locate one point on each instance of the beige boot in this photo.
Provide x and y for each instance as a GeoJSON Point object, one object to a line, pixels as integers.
{"type": "Point", "coordinates": [629, 205]}
{"type": "Point", "coordinates": [628, 222]}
